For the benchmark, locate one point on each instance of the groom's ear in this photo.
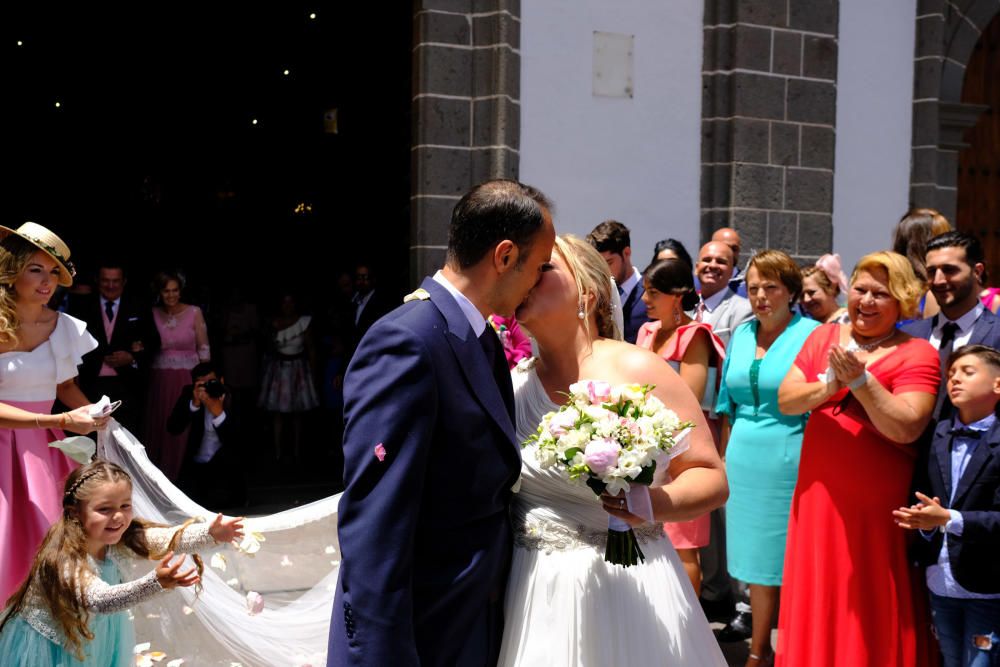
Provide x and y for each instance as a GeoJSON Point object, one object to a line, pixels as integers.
{"type": "Point", "coordinates": [505, 256]}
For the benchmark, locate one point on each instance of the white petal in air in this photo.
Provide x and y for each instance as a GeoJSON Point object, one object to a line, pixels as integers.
{"type": "Point", "coordinates": [219, 561]}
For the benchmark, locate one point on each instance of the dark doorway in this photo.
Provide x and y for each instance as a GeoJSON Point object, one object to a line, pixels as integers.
{"type": "Point", "coordinates": [979, 164]}
{"type": "Point", "coordinates": [201, 137]}
{"type": "Point", "coordinates": [179, 139]}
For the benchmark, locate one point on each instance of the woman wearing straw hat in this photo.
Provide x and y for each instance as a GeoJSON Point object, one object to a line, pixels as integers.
{"type": "Point", "coordinates": [39, 353]}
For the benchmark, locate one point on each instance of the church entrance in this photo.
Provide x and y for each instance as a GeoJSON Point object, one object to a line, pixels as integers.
{"type": "Point", "coordinates": [979, 164]}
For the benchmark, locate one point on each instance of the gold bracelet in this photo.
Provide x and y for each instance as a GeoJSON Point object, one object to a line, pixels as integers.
{"type": "Point", "coordinates": [69, 416]}
{"type": "Point", "coordinates": [62, 420]}
{"type": "Point", "coordinates": [37, 425]}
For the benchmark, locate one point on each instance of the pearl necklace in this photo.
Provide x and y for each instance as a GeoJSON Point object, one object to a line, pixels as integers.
{"type": "Point", "coordinates": [868, 347]}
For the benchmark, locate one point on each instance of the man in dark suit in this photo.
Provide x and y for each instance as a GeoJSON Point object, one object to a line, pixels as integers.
{"type": "Point", "coordinates": [958, 512]}
{"type": "Point", "coordinates": [127, 340]}
{"type": "Point", "coordinates": [370, 302]}
{"type": "Point", "coordinates": [212, 473]}
{"type": "Point", "coordinates": [611, 238]}
{"type": "Point", "coordinates": [429, 449]}
{"type": "Point", "coordinates": [955, 270]}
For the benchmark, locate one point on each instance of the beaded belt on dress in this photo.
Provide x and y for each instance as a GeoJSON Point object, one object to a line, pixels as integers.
{"type": "Point", "coordinates": [545, 535]}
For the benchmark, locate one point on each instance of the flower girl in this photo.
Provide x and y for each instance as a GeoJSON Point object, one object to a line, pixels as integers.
{"type": "Point", "coordinates": [71, 608]}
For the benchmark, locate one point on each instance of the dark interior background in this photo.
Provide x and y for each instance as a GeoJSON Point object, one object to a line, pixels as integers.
{"type": "Point", "coordinates": [152, 154]}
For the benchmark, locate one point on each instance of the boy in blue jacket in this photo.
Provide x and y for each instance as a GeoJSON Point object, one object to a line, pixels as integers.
{"type": "Point", "coordinates": [959, 517]}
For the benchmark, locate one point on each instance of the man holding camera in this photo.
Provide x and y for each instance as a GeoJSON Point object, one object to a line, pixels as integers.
{"type": "Point", "coordinates": [212, 473]}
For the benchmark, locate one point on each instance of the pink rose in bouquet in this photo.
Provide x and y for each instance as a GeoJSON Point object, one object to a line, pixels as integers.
{"type": "Point", "coordinates": [601, 455]}
{"type": "Point", "coordinates": [598, 391]}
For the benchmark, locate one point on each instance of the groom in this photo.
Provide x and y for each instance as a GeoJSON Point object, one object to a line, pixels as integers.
{"type": "Point", "coordinates": [429, 449]}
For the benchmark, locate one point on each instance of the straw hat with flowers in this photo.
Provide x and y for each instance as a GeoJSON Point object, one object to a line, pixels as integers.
{"type": "Point", "coordinates": [47, 242]}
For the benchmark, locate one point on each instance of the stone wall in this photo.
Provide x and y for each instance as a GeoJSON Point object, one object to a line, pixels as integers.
{"type": "Point", "coordinates": [768, 123]}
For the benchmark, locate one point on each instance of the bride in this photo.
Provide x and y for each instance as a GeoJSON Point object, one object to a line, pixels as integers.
{"type": "Point", "coordinates": [565, 605]}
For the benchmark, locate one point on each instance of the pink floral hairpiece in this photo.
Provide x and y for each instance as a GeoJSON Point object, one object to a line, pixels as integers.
{"type": "Point", "coordinates": [830, 265]}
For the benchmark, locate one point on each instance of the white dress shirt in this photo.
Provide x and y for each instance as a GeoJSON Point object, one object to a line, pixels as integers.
{"type": "Point", "coordinates": [476, 319]}
{"type": "Point", "coordinates": [210, 442]}
{"type": "Point", "coordinates": [965, 324]}
{"type": "Point", "coordinates": [630, 284]}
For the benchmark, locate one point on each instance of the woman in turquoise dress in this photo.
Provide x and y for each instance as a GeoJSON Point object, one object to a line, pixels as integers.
{"type": "Point", "coordinates": [763, 445]}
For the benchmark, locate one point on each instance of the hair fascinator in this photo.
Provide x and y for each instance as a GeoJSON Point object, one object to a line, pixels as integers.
{"type": "Point", "coordinates": [830, 265]}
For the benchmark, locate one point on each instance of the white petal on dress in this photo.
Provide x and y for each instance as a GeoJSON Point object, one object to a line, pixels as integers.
{"type": "Point", "coordinates": [565, 605]}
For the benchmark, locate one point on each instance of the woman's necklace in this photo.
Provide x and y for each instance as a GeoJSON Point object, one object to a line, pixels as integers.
{"type": "Point", "coordinates": [171, 322]}
{"type": "Point", "coordinates": [868, 347]}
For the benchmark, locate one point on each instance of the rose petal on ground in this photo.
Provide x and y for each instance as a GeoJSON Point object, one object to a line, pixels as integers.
{"type": "Point", "coordinates": [255, 603]}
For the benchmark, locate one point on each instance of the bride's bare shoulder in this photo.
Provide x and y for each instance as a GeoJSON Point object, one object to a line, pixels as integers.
{"type": "Point", "coordinates": [634, 362]}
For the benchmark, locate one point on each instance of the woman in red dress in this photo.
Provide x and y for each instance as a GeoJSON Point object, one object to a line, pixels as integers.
{"type": "Point", "coordinates": [696, 354]}
{"type": "Point", "coordinates": [847, 597]}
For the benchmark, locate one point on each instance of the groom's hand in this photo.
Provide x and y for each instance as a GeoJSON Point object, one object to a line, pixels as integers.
{"type": "Point", "coordinates": [618, 507]}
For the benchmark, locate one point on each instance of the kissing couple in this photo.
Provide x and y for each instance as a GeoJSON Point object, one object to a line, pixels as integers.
{"type": "Point", "coordinates": [443, 563]}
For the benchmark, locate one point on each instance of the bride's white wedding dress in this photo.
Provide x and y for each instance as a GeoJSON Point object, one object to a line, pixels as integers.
{"type": "Point", "coordinates": [565, 605]}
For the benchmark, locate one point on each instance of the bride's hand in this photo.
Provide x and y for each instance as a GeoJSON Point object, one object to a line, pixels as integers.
{"type": "Point", "coordinates": [618, 507]}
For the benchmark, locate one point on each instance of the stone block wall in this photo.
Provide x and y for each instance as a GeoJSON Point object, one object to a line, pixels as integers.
{"type": "Point", "coordinates": [466, 112]}
{"type": "Point", "coordinates": [768, 123]}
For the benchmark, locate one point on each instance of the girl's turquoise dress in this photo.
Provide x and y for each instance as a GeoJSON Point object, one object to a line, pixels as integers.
{"type": "Point", "coordinates": [33, 639]}
{"type": "Point", "coordinates": [23, 644]}
{"type": "Point", "coordinates": [762, 458]}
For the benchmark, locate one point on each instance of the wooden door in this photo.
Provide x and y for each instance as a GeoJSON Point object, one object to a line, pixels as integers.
{"type": "Point", "coordinates": [978, 209]}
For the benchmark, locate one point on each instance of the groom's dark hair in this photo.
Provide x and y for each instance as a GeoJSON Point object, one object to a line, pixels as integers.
{"type": "Point", "coordinates": [490, 213]}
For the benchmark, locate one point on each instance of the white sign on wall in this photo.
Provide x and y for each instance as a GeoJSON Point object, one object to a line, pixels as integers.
{"type": "Point", "coordinates": [613, 54]}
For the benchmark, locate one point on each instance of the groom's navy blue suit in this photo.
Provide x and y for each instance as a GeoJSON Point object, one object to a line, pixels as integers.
{"type": "Point", "coordinates": [425, 533]}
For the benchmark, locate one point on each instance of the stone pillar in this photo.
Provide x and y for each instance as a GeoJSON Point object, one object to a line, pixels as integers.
{"type": "Point", "coordinates": [466, 112]}
{"type": "Point", "coordinates": [768, 123]}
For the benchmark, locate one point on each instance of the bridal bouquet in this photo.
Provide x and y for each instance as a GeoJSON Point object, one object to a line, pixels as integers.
{"type": "Point", "coordinates": [611, 439]}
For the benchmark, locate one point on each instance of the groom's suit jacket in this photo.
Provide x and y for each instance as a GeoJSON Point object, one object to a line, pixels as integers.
{"type": "Point", "coordinates": [430, 459]}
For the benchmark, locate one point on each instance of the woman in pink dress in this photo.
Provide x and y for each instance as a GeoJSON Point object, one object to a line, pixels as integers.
{"type": "Point", "coordinates": [696, 354]}
{"type": "Point", "coordinates": [39, 353]}
{"type": "Point", "coordinates": [184, 343]}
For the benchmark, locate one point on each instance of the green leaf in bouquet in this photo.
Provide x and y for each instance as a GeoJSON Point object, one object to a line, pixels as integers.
{"type": "Point", "coordinates": [645, 477]}
{"type": "Point", "coordinates": [571, 452]}
{"type": "Point", "coordinates": [596, 485]}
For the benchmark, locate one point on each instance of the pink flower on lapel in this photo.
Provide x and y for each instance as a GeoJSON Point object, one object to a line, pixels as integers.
{"type": "Point", "coordinates": [380, 452]}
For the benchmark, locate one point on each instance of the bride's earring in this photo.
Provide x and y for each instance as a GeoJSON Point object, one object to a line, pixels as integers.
{"type": "Point", "coordinates": [677, 315]}
{"type": "Point", "coordinates": [581, 313]}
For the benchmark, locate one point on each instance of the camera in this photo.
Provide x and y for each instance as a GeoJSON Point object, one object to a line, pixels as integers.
{"type": "Point", "coordinates": [215, 388]}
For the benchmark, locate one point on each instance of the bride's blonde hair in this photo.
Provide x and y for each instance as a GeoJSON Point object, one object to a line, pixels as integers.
{"type": "Point", "coordinates": [592, 276]}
